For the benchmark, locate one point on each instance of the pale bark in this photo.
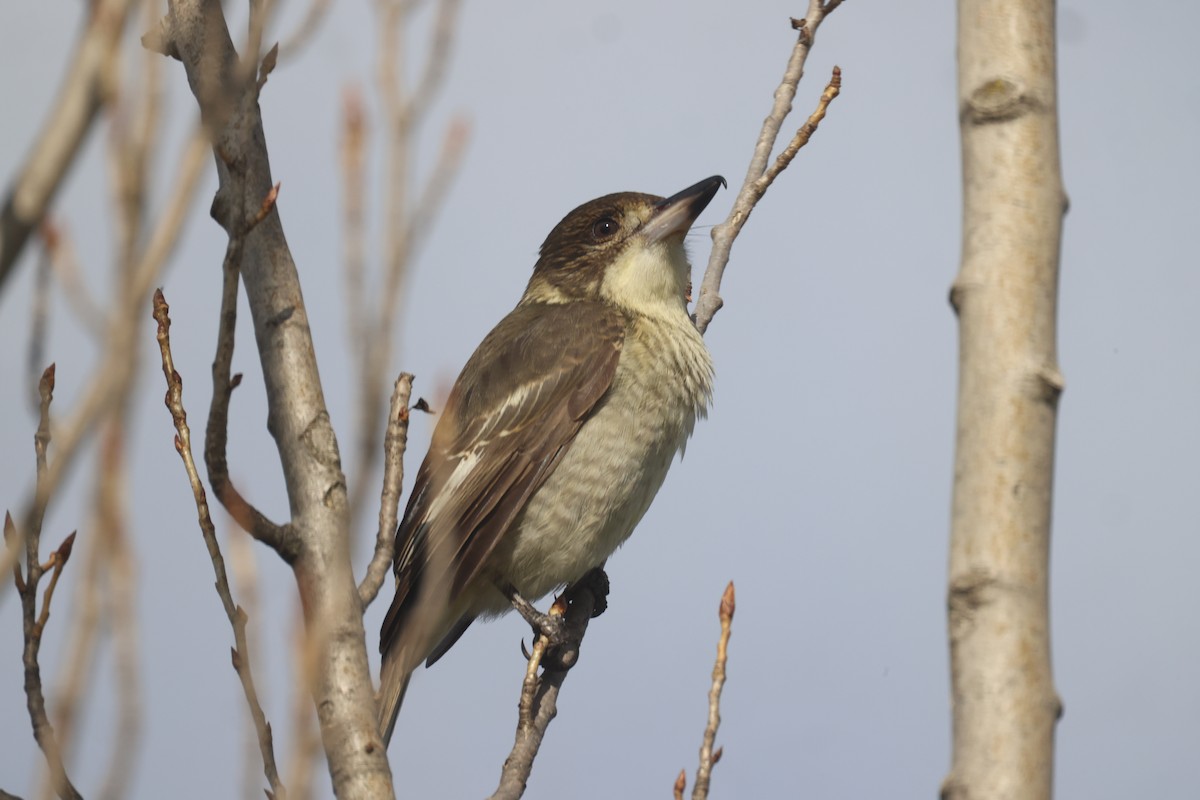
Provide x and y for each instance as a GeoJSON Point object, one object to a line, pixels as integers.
{"type": "Point", "coordinates": [1004, 702]}
{"type": "Point", "coordinates": [194, 31]}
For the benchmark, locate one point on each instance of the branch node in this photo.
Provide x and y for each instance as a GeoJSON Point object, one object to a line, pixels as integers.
{"type": "Point", "coordinates": [266, 207]}
{"type": "Point", "coordinates": [761, 172]}
{"type": "Point", "coordinates": [267, 66]}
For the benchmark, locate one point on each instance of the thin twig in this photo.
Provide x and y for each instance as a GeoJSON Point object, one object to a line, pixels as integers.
{"type": "Point", "coordinates": [759, 175]}
{"type": "Point", "coordinates": [537, 707]}
{"type": "Point", "coordinates": [27, 586]}
{"type": "Point", "coordinates": [539, 695]}
{"type": "Point", "coordinates": [707, 756]}
{"type": "Point", "coordinates": [237, 616]}
{"type": "Point", "coordinates": [832, 89]}
{"type": "Point", "coordinates": [395, 440]}
{"type": "Point", "coordinates": [79, 664]}
{"type": "Point", "coordinates": [216, 432]}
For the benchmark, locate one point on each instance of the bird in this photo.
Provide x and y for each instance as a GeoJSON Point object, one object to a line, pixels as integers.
{"type": "Point", "coordinates": [559, 431]}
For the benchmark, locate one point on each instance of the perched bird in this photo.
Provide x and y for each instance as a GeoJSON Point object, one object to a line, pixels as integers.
{"type": "Point", "coordinates": [559, 431]}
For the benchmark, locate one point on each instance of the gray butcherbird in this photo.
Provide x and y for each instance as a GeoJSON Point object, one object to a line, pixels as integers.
{"type": "Point", "coordinates": [559, 431]}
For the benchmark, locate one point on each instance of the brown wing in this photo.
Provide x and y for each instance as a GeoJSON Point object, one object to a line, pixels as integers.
{"type": "Point", "coordinates": [513, 412]}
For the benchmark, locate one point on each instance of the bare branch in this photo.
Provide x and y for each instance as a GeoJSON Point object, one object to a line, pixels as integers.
{"type": "Point", "coordinates": [80, 99]}
{"type": "Point", "coordinates": [78, 664]}
{"type": "Point", "coordinates": [281, 538]}
{"type": "Point", "coordinates": [34, 621]}
{"type": "Point", "coordinates": [237, 617]}
{"type": "Point", "coordinates": [758, 175]}
{"type": "Point", "coordinates": [539, 695]}
{"type": "Point", "coordinates": [394, 443]}
{"type": "Point", "coordinates": [832, 89]}
{"type": "Point", "coordinates": [196, 31]}
{"type": "Point", "coordinates": [707, 756]}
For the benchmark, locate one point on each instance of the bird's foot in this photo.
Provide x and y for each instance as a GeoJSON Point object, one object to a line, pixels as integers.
{"type": "Point", "coordinates": [552, 626]}
{"type": "Point", "coordinates": [594, 581]}
{"type": "Point", "coordinates": [564, 627]}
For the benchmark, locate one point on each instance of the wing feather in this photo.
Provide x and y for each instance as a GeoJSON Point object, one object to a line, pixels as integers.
{"type": "Point", "coordinates": [497, 442]}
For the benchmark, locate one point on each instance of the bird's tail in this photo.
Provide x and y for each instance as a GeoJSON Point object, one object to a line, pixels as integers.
{"type": "Point", "coordinates": [393, 683]}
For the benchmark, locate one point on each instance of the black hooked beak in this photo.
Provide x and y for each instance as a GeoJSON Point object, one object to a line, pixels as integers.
{"type": "Point", "coordinates": [676, 213]}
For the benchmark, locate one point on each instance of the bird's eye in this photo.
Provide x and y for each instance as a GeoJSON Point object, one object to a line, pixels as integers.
{"type": "Point", "coordinates": [605, 227]}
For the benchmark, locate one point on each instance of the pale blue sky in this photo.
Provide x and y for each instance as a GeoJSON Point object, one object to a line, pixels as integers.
{"type": "Point", "coordinates": [820, 482]}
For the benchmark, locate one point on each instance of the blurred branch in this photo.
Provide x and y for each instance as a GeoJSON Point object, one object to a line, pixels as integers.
{"type": "Point", "coordinates": [707, 756]}
{"type": "Point", "coordinates": [112, 539]}
{"type": "Point", "coordinates": [112, 378]}
{"type": "Point", "coordinates": [291, 46]}
{"type": "Point", "coordinates": [39, 318]}
{"type": "Point", "coordinates": [761, 172]}
{"type": "Point", "coordinates": [133, 135]}
{"type": "Point", "coordinates": [84, 92]}
{"type": "Point", "coordinates": [64, 263]}
{"type": "Point", "coordinates": [33, 619]}
{"type": "Point", "coordinates": [395, 441]}
{"type": "Point", "coordinates": [539, 694]}
{"type": "Point", "coordinates": [306, 744]}
{"type": "Point", "coordinates": [104, 408]}
{"type": "Point", "coordinates": [406, 224]}
{"type": "Point", "coordinates": [353, 153]}
{"type": "Point", "coordinates": [244, 573]}
{"type": "Point", "coordinates": [195, 32]}
{"type": "Point", "coordinates": [236, 615]}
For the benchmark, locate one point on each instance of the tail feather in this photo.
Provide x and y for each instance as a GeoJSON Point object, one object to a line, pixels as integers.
{"type": "Point", "coordinates": [393, 683]}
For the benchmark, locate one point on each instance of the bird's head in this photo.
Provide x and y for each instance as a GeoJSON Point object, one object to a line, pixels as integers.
{"type": "Point", "coordinates": [624, 248]}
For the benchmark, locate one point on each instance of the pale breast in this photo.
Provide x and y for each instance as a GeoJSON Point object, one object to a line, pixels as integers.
{"type": "Point", "coordinates": [605, 482]}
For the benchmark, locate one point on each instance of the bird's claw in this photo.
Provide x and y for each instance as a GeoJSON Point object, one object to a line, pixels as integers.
{"type": "Point", "coordinates": [549, 625]}
{"type": "Point", "coordinates": [561, 650]}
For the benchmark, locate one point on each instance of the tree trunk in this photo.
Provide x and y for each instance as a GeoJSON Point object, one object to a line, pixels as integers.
{"type": "Point", "coordinates": [1004, 702]}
